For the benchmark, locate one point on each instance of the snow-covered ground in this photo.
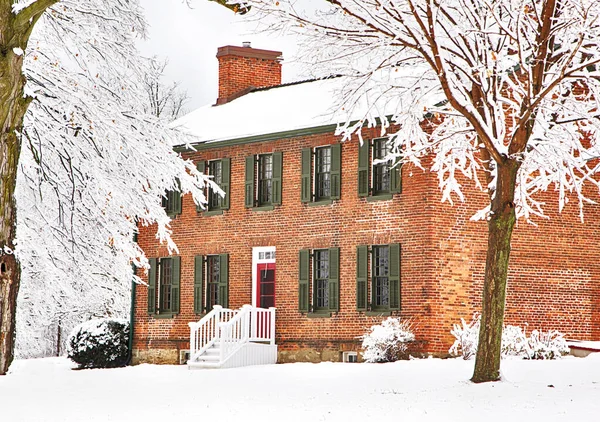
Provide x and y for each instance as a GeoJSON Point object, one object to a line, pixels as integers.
{"type": "Point", "coordinates": [423, 390]}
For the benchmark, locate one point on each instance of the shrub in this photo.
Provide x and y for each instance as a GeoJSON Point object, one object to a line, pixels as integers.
{"type": "Point", "coordinates": [99, 343]}
{"type": "Point", "coordinates": [387, 341]}
{"type": "Point", "coordinates": [467, 337]}
{"type": "Point", "coordinates": [550, 345]}
{"type": "Point", "coordinates": [515, 342]}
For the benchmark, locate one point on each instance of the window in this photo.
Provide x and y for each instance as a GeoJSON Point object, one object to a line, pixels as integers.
{"type": "Point", "coordinates": [378, 278]}
{"type": "Point", "coordinates": [220, 170]}
{"type": "Point", "coordinates": [211, 282]}
{"type": "Point", "coordinates": [321, 173]}
{"type": "Point", "coordinates": [381, 169]}
{"type": "Point", "coordinates": [321, 277]}
{"type": "Point", "coordinates": [163, 286]}
{"type": "Point", "coordinates": [377, 177]}
{"type": "Point", "coordinates": [213, 277]}
{"type": "Point", "coordinates": [350, 357]}
{"type": "Point", "coordinates": [322, 267]}
{"type": "Point", "coordinates": [171, 202]}
{"type": "Point", "coordinates": [263, 180]}
{"type": "Point", "coordinates": [381, 281]}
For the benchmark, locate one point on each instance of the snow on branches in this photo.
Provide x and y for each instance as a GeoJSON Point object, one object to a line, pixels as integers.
{"type": "Point", "coordinates": [505, 81]}
{"type": "Point", "coordinates": [94, 164]}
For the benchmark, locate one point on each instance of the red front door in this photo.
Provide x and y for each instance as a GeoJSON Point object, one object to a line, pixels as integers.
{"type": "Point", "coordinates": [265, 292]}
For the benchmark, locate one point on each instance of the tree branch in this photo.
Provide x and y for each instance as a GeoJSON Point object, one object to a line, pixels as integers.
{"type": "Point", "coordinates": [33, 11]}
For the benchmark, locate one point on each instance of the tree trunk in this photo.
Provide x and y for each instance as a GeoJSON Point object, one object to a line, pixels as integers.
{"type": "Point", "coordinates": [10, 272]}
{"type": "Point", "coordinates": [500, 226]}
{"type": "Point", "coordinates": [13, 106]}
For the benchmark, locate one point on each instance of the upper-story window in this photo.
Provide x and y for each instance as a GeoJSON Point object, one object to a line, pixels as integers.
{"type": "Point", "coordinates": [321, 173]}
{"type": "Point", "coordinates": [378, 176]}
{"type": "Point", "coordinates": [220, 171]}
{"type": "Point", "coordinates": [215, 200]}
{"type": "Point", "coordinates": [381, 167]}
{"type": "Point", "coordinates": [263, 180]}
{"type": "Point", "coordinates": [171, 202]}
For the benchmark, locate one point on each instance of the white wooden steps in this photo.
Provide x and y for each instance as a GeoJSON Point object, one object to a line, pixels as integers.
{"type": "Point", "coordinates": [227, 338]}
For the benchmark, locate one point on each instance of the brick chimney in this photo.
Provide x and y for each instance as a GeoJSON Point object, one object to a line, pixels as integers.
{"type": "Point", "coordinates": [244, 68]}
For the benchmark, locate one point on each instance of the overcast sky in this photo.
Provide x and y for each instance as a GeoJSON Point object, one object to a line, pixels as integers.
{"type": "Point", "coordinates": [189, 38]}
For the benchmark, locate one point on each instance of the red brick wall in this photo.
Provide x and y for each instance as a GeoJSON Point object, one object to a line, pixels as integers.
{"type": "Point", "coordinates": [554, 270]}
{"type": "Point", "coordinates": [244, 67]}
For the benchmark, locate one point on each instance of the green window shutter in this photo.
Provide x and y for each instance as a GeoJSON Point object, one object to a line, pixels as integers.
{"type": "Point", "coordinates": [305, 190]}
{"type": "Point", "coordinates": [336, 168]}
{"type": "Point", "coordinates": [250, 167]}
{"type": "Point", "coordinates": [152, 286]}
{"type": "Point", "coordinates": [277, 176]}
{"type": "Point", "coordinates": [225, 180]}
{"type": "Point", "coordinates": [334, 279]}
{"type": "Point", "coordinates": [201, 166]}
{"type": "Point", "coordinates": [176, 199]}
{"type": "Point", "coordinates": [396, 179]}
{"type": "Point", "coordinates": [304, 279]}
{"type": "Point", "coordinates": [362, 265]}
{"type": "Point", "coordinates": [394, 276]}
{"type": "Point", "coordinates": [224, 280]}
{"type": "Point", "coordinates": [176, 202]}
{"type": "Point", "coordinates": [363, 169]}
{"type": "Point", "coordinates": [198, 284]}
{"type": "Point", "coordinates": [175, 283]}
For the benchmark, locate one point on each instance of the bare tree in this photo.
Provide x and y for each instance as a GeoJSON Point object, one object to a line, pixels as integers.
{"type": "Point", "coordinates": [165, 101]}
{"type": "Point", "coordinates": [515, 86]}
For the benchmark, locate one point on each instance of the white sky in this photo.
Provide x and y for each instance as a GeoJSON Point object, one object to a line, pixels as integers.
{"type": "Point", "coordinates": [189, 39]}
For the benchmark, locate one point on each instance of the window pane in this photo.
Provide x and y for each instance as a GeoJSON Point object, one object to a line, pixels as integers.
{"type": "Point", "coordinates": [321, 275]}
{"type": "Point", "coordinates": [323, 173]}
{"type": "Point", "coordinates": [215, 201]}
{"type": "Point", "coordinates": [213, 275]}
{"type": "Point", "coordinates": [381, 171]}
{"type": "Point", "coordinates": [381, 272]}
{"type": "Point", "coordinates": [166, 278]}
{"type": "Point", "coordinates": [265, 179]}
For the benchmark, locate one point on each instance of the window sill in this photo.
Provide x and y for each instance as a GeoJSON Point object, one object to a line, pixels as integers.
{"type": "Point", "coordinates": [164, 315]}
{"type": "Point", "coordinates": [319, 315]}
{"type": "Point", "coordinates": [380, 197]}
{"type": "Point", "coordinates": [320, 202]}
{"type": "Point", "coordinates": [378, 313]}
{"type": "Point", "coordinates": [264, 208]}
{"type": "Point", "coordinates": [212, 212]}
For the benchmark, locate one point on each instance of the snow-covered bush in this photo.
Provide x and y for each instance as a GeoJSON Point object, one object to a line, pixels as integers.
{"type": "Point", "coordinates": [99, 343]}
{"type": "Point", "coordinates": [514, 341]}
{"type": "Point", "coordinates": [538, 345]}
{"type": "Point", "coordinates": [387, 341]}
{"type": "Point", "coordinates": [550, 345]}
{"type": "Point", "coordinates": [467, 336]}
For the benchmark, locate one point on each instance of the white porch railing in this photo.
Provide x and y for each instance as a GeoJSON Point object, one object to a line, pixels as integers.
{"type": "Point", "coordinates": [205, 332]}
{"type": "Point", "coordinates": [230, 330]}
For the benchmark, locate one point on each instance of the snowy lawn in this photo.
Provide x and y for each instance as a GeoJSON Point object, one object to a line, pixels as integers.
{"type": "Point", "coordinates": [423, 390]}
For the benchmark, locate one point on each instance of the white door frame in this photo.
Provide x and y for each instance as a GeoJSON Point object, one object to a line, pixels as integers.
{"type": "Point", "coordinates": [257, 260]}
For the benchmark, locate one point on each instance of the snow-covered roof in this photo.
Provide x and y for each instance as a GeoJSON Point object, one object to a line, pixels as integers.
{"type": "Point", "coordinates": [278, 109]}
{"type": "Point", "coordinates": [282, 108]}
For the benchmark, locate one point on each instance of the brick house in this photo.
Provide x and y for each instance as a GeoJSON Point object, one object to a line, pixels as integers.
{"type": "Point", "coordinates": [335, 241]}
